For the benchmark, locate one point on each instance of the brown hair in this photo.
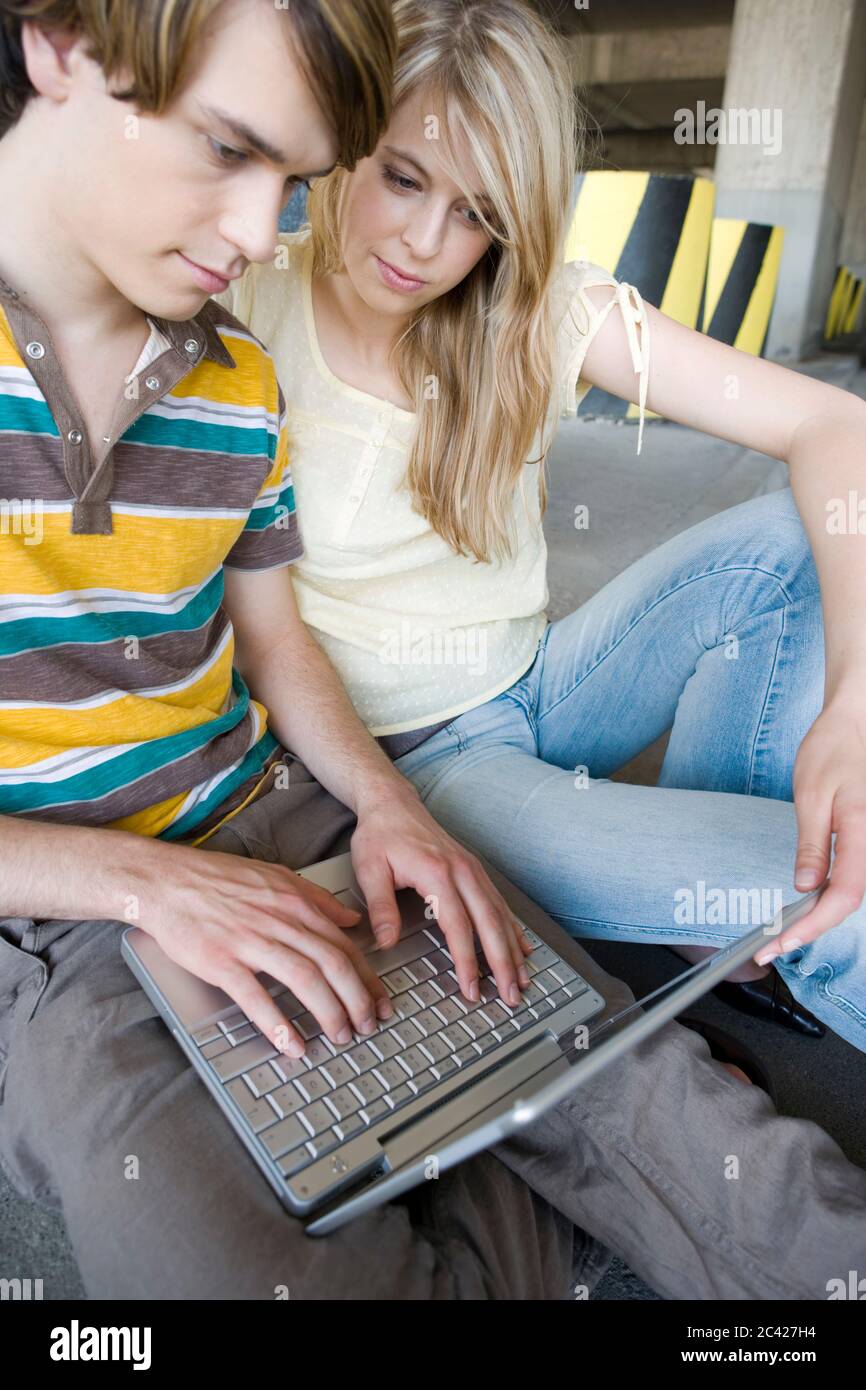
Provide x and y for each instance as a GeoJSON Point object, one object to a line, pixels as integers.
{"type": "Point", "coordinates": [347, 49]}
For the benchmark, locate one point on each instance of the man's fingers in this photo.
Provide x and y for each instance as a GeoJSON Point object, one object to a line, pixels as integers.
{"type": "Point", "coordinates": [241, 985]}
{"type": "Point", "coordinates": [338, 912]}
{"type": "Point", "coordinates": [377, 884]}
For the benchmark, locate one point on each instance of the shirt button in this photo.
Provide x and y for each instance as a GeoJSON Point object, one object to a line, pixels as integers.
{"type": "Point", "coordinates": [75, 436]}
{"type": "Point", "coordinates": [35, 350]}
{"type": "Point", "coordinates": [152, 383]}
{"type": "Point", "coordinates": [191, 345]}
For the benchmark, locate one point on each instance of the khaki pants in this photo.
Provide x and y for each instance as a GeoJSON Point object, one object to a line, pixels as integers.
{"type": "Point", "coordinates": [102, 1118]}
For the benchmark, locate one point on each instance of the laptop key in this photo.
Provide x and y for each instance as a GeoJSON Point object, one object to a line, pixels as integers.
{"type": "Point", "coordinates": [466, 1054]}
{"type": "Point", "coordinates": [206, 1034]}
{"type": "Point", "coordinates": [293, 1162]}
{"type": "Point", "coordinates": [444, 1067]}
{"type": "Point", "coordinates": [287, 1099]}
{"type": "Point", "coordinates": [405, 1005]}
{"type": "Point", "coordinates": [414, 1061]}
{"type": "Point", "coordinates": [422, 1082]}
{"type": "Point", "coordinates": [543, 956]}
{"type": "Point", "coordinates": [241, 1093]}
{"type": "Point", "coordinates": [348, 1126]}
{"type": "Point", "coordinates": [363, 1057]}
{"type": "Point", "coordinates": [428, 1021]}
{"type": "Point", "coordinates": [263, 1116]}
{"type": "Point", "coordinates": [435, 1048]}
{"type": "Point", "coordinates": [241, 1058]}
{"type": "Point", "coordinates": [317, 1051]}
{"type": "Point", "coordinates": [324, 1142]}
{"type": "Point", "coordinates": [262, 1079]}
{"type": "Point", "coordinates": [427, 994]}
{"type": "Point", "coordinates": [398, 981]}
{"type": "Point", "coordinates": [367, 1088]}
{"type": "Point", "coordinates": [308, 1026]}
{"type": "Point", "coordinates": [406, 1033]}
{"type": "Point", "coordinates": [339, 1070]}
{"type": "Point", "coordinates": [486, 1043]}
{"type": "Point", "coordinates": [399, 1096]}
{"type": "Point", "coordinates": [343, 1102]}
{"type": "Point", "coordinates": [385, 1045]}
{"type": "Point", "coordinates": [284, 1135]}
{"type": "Point", "coordinates": [374, 1111]}
{"type": "Point", "coordinates": [448, 1010]}
{"type": "Point", "coordinates": [391, 1074]}
{"type": "Point", "coordinates": [317, 1117]}
{"type": "Point", "coordinates": [313, 1085]}
{"type": "Point", "coordinates": [215, 1048]}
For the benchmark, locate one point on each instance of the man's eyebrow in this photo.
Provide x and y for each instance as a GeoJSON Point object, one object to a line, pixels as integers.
{"type": "Point", "coordinates": [410, 159]}
{"type": "Point", "coordinates": [248, 136]}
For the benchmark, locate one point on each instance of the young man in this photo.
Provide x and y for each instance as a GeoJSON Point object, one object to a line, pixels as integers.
{"type": "Point", "coordinates": [154, 675]}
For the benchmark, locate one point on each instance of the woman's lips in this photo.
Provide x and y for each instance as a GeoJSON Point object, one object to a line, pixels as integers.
{"type": "Point", "coordinates": [395, 280]}
{"type": "Point", "coordinates": [205, 279]}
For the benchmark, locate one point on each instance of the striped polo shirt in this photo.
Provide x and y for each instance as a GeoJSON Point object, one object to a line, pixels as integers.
{"type": "Point", "coordinates": [119, 703]}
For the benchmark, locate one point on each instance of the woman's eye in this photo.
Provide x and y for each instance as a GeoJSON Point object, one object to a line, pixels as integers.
{"type": "Point", "coordinates": [399, 180]}
{"type": "Point", "coordinates": [226, 153]}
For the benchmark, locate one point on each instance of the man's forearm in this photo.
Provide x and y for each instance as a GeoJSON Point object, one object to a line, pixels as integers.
{"type": "Point", "coordinates": [66, 871]}
{"type": "Point", "coordinates": [311, 713]}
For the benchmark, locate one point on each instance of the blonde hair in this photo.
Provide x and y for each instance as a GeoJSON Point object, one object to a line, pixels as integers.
{"type": "Point", "coordinates": [346, 48]}
{"type": "Point", "coordinates": [502, 80]}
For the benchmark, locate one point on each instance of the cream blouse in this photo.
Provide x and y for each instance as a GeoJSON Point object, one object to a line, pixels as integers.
{"type": "Point", "coordinates": [417, 633]}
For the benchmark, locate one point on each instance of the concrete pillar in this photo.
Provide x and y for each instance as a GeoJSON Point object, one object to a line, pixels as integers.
{"type": "Point", "coordinates": [806, 59]}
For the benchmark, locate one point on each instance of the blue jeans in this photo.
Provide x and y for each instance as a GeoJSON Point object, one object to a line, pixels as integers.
{"type": "Point", "coordinates": [716, 635]}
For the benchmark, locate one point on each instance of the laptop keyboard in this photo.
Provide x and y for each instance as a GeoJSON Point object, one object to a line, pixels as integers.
{"type": "Point", "coordinates": [302, 1108]}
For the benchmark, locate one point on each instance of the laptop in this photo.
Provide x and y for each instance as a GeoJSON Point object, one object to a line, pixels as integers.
{"type": "Point", "coordinates": [344, 1128]}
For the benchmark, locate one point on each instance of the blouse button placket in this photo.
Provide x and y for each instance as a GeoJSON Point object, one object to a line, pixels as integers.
{"type": "Point", "coordinates": [363, 474]}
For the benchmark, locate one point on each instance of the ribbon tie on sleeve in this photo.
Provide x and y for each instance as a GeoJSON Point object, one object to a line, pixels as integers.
{"type": "Point", "coordinates": [633, 314]}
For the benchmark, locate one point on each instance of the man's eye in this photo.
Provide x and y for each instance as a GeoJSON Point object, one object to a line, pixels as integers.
{"type": "Point", "coordinates": [226, 153]}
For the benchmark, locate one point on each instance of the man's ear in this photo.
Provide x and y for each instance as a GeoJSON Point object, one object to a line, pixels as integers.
{"type": "Point", "coordinates": [49, 55]}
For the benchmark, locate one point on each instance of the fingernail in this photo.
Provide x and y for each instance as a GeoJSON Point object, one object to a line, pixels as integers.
{"type": "Point", "coordinates": [344, 1035]}
{"type": "Point", "coordinates": [806, 878]}
{"type": "Point", "coordinates": [384, 1008]}
{"type": "Point", "coordinates": [523, 976]}
{"type": "Point", "coordinates": [514, 994]}
{"type": "Point", "coordinates": [295, 1048]}
{"type": "Point", "coordinates": [766, 957]}
{"type": "Point", "coordinates": [385, 936]}
{"type": "Point", "coordinates": [473, 990]}
{"type": "Point", "coordinates": [793, 944]}
{"type": "Point", "coordinates": [368, 1026]}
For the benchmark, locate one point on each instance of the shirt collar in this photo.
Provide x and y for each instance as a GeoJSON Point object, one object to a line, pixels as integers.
{"type": "Point", "coordinates": [181, 333]}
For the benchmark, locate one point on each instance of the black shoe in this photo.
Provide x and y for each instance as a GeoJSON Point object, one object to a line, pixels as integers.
{"type": "Point", "coordinates": [771, 999]}
{"type": "Point", "coordinates": [725, 1048]}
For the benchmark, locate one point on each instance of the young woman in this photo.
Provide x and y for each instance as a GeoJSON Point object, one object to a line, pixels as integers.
{"type": "Point", "coordinates": [427, 334]}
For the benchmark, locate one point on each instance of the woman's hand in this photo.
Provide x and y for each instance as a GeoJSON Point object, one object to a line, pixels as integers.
{"type": "Point", "coordinates": [398, 844]}
{"type": "Point", "coordinates": [829, 798]}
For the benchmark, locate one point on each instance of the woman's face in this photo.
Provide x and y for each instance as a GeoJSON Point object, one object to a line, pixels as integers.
{"type": "Point", "coordinates": [409, 234]}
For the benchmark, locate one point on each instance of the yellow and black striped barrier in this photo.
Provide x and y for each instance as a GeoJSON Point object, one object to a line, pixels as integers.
{"type": "Point", "coordinates": [657, 231]}
{"type": "Point", "coordinates": [846, 303]}
{"type": "Point", "coordinates": [741, 282]}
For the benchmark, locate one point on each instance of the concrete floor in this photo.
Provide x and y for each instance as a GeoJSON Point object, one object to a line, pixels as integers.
{"type": "Point", "coordinates": [680, 478]}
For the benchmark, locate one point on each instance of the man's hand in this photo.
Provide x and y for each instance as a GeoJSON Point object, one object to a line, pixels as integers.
{"type": "Point", "coordinates": [829, 797]}
{"type": "Point", "coordinates": [225, 919]}
{"type": "Point", "coordinates": [398, 844]}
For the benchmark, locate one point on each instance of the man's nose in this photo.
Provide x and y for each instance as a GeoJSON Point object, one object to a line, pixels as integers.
{"type": "Point", "coordinates": [253, 228]}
